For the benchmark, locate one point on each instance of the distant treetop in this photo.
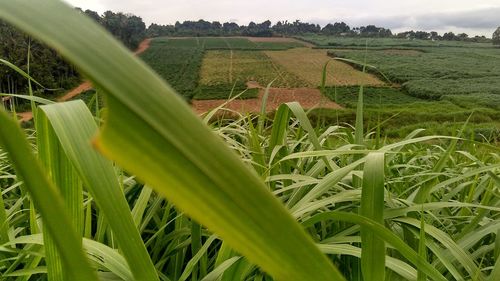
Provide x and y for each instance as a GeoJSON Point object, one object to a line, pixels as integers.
{"type": "Point", "coordinates": [496, 37]}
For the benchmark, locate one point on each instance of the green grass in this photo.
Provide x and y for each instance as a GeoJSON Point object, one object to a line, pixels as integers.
{"type": "Point", "coordinates": [472, 101]}
{"type": "Point", "coordinates": [373, 96]}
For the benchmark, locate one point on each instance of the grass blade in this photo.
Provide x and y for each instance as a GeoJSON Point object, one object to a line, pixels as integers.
{"type": "Point", "coordinates": [74, 126]}
{"type": "Point", "coordinates": [372, 206]}
{"type": "Point", "coordinates": [47, 200]}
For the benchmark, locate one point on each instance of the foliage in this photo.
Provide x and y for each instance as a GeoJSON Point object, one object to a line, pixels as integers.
{"type": "Point", "coordinates": [394, 42]}
{"type": "Point", "coordinates": [49, 68]}
{"type": "Point", "coordinates": [399, 120]}
{"type": "Point", "coordinates": [436, 72]}
{"type": "Point", "coordinates": [177, 65]}
{"type": "Point", "coordinates": [372, 96]}
{"type": "Point", "coordinates": [496, 36]}
{"type": "Point", "coordinates": [127, 28]}
{"type": "Point", "coordinates": [226, 43]}
{"type": "Point", "coordinates": [202, 28]}
{"type": "Point", "coordinates": [433, 88]}
{"type": "Point", "coordinates": [45, 64]}
{"type": "Point", "coordinates": [473, 101]}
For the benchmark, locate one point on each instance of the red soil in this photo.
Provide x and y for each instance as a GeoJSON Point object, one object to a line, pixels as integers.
{"type": "Point", "coordinates": [25, 116]}
{"type": "Point", "coordinates": [308, 98]}
{"type": "Point", "coordinates": [85, 86]}
{"type": "Point", "coordinates": [143, 46]}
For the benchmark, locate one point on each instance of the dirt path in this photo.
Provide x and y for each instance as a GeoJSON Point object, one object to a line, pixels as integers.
{"type": "Point", "coordinates": [85, 86]}
{"type": "Point", "coordinates": [307, 97]}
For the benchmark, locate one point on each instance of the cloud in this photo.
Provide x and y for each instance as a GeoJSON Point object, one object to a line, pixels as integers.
{"type": "Point", "coordinates": [479, 17]}
{"type": "Point", "coordinates": [483, 18]}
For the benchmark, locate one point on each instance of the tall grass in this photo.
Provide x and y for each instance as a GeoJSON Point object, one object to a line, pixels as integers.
{"type": "Point", "coordinates": [241, 199]}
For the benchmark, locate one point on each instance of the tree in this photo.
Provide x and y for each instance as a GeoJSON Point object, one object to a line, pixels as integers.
{"type": "Point", "coordinates": [338, 28]}
{"type": "Point", "coordinates": [496, 37]}
{"type": "Point", "coordinates": [422, 35]}
{"type": "Point", "coordinates": [449, 36]}
{"type": "Point", "coordinates": [462, 36]}
{"type": "Point", "coordinates": [434, 35]}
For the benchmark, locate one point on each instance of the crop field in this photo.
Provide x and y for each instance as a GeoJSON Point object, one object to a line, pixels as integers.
{"type": "Point", "coordinates": [223, 69]}
{"type": "Point", "coordinates": [437, 72]}
{"type": "Point", "coordinates": [177, 65]}
{"type": "Point", "coordinates": [323, 41]}
{"type": "Point", "coordinates": [372, 96]}
{"type": "Point", "coordinates": [465, 79]}
{"type": "Point", "coordinates": [230, 43]}
{"type": "Point", "coordinates": [308, 64]}
{"type": "Point", "coordinates": [215, 67]}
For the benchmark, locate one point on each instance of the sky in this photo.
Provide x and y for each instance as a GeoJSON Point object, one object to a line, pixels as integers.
{"type": "Point", "coordinates": [474, 17]}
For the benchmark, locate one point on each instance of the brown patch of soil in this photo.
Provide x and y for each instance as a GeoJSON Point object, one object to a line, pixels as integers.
{"type": "Point", "coordinates": [25, 116]}
{"type": "Point", "coordinates": [143, 46]}
{"type": "Point", "coordinates": [85, 86]}
{"type": "Point", "coordinates": [308, 98]}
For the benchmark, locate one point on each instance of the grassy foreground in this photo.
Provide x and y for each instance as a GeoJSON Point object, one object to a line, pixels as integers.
{"type": "Point", "coordinates": [247, 199]}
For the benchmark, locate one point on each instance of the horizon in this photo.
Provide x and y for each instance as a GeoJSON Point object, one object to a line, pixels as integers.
{"type": "Point", "coordinates": [455, 16]}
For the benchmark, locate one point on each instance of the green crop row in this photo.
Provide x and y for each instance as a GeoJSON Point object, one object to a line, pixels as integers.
{"type": "Point", "coordinates": [225, 43]}
{"type": "Point", "coordinates": [373, 96]}
{"type": "Point", "coordinates": [437, 72]}
{"type": "Point", "coordinates": [331, 41]}
{"type": "Point", "coordinates": [179, 66]}
{"type": "Point", "coordinates": [225, 91]}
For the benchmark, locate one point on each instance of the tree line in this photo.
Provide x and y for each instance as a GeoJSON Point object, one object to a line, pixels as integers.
{"type": "Point", "coordinates": [264, 29]}
{"type": "Point", "coordinates": [286, 28]}
{"type": "Point", "coordinates": [49, 68]}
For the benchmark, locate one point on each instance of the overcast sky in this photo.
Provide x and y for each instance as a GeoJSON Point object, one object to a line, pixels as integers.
{"type": "Point", "coordinates": [475, 17]}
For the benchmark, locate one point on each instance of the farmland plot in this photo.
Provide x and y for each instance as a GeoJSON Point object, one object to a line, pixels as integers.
{"type": "Point", "coordinates": [179, 66]}
{"type": "Point", "coordinates": [360, 42]}
{"type": "Point", "coordinates": [230, 43]}
{"type": "Point", "coordinates": [437, 72]}
{"type": "Point", "coordinates": [221, 70]}
{"type": "Point", "coordinates": [372, 96]}
{"type": "Point", "coordinates": [308, 65]}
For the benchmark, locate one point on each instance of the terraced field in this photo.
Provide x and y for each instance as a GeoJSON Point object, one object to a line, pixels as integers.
{"type": "Point", "coordinates": [216, 67]}
{"type": "Point", "coordinates": [222, 70]}
{"type": "Point", "coordinates": [457, 74]}
{"type": "Point", "coordinates": [308, 64]}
